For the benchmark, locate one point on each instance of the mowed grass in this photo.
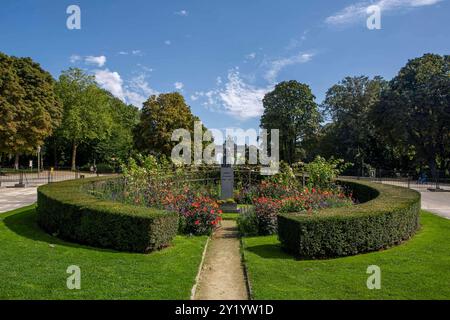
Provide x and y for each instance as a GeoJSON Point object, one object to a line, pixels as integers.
{"type": "Point", "coordinates": [417, 269]}
{"type": "Point", "coordinates": [33, 265]}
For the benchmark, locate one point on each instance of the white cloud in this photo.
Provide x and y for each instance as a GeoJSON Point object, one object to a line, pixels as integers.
{"type": "Point", "coordinates": [251, 56]}
{"type": "Point", "coordinates": [183, 13]}
{"type": "Point", "coordinates": [99, 61]}
{"type": "Point", "coordinates": [75, 58]}
{"type": "Point", "coordinates": [276, 66]}
{"type": "Point", "coordinates": [357, 11]}
{"type": "Point", "coordinates": [179, 85]}
{"type": "Point", "coordinates": [110, 81]}
{"type": "Point", "coordinates": [136, 91]}
{"type": "Point", "coordinates": [240, 99]}
{"type": "Point", "coordinates": [123, 53]}
{"type": "Point", "coordinates": [167, 42]}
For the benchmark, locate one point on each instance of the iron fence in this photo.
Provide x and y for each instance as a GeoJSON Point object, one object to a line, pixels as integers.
{"type": "Point", "coordinates": [22, 178]}
{"type": "Point", "coordinates": [421, 181]}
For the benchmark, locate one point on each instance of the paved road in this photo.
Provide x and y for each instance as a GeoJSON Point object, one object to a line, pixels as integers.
{"type": "Point", "coordinates": [437, 202]}
{"type": "Point", "coordinates": [14, 198]}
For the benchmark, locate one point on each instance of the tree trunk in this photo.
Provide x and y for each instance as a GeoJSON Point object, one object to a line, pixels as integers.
{"type": "Point", "coordinates": [432, 164]}
{"type": "Point", "coordinates": [74, 156]}
{"type": "Point", "coordinates": [16, 162]}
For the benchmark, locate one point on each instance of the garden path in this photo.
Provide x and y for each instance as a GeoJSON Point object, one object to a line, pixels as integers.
{"type": "Point", "coordinates": [222, 276]}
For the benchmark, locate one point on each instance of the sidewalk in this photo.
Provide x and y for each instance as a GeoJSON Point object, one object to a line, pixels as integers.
{"type": "Point", "coordinates": [14, 198]}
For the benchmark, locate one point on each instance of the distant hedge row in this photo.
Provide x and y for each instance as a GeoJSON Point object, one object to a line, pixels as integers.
{"type": "Point", "coordinates": [387, 216]}
{"type": "Point", "coordinates": [66, 210]}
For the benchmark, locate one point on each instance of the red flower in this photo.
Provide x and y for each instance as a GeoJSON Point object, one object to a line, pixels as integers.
{"type": "Point", "coordinates": [197, 222]}
{"type": "Point", "coordinates": [196, 204]}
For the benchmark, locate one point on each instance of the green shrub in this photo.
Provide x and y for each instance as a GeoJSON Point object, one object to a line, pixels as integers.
{"type": "Point", "coordinates": [66, 210]}
{"type": "Point", "coordinates": [248, 223]}
{"type": "Point", "coordinates": [322, 172]}
{"type": "Point", "coordinates": [387, 216]}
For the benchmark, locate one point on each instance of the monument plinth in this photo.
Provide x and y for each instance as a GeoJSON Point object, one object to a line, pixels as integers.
{"type": "Point", "coordinates": [227, 185]}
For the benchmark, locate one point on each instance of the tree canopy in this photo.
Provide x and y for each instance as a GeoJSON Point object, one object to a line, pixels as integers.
{"type": "Point", "coordinates": [349, 104]}
{"type": "Point", "coordinates": [415, 109]}
{"type": "Point", "coordinates": [29, 108]}
{"type": "Point", "coordinates": [160, 116]}
{"type": "Point", "coordinates": [86, 115]}
{"type": "Point", "coordinates": [292, 109]}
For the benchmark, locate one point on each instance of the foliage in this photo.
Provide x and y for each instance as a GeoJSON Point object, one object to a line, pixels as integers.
{"type": "Point", "coordinates": [248, 223]}
{"type": "Point", "coordinates": [352, 134]}
{"type": "Point", "coordinates": [266, 210]}
{"type": "Point", "coordinates": [291, 108]}
{"type": "Point", "coordinates": [29, 107]}
{"type": "Point", "coordinates": [160, 117]}
{"type": "Point", "coordinates": [68, 211]}
{"type": "Point", "coordinates": [153, 183]}
{"type": "Point", "coordinates": [390, 216]}
{"type": "Point", "coordinates": [414, 110]}
{"type": "Point", "coordinates": [87, 115]}
{"type": "Point", "coordinates": [322, 173]}
{"type": "Point", "coordinates": [199, 215]}
{"type": "Point", "coordinates": [118, 145]}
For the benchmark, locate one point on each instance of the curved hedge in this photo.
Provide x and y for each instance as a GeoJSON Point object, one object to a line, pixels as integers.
{"type": "Point", "coordinates": [68, 211]}
{"type": "Point", "coordinates": [387, 216]}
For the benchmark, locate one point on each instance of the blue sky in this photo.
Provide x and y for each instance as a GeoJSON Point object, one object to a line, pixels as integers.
{"type": "Point", "coordinates": [223, 56]}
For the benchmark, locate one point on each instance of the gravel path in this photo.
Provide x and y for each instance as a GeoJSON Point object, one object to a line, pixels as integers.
{"type": "Point", "coordinates": [222, 276]}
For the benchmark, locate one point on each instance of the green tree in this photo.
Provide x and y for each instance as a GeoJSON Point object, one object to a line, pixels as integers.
{"type": "Point", "coordinates": [291, 108]}
{"type": "Point", "coordinates": [29, 108]}
{"type": "Point", "coordinates": [415, 109]}
{"type": "Point", "coordinates": [160, 116]}
{"type": "Point", "coordinates": [118, 145]}
{"type": "Point", "coordinates": [352, 134]}
{"type": "Point", "coordinates": [86, 115]}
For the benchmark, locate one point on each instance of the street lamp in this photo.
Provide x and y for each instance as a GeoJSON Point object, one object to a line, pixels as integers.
{"type": "Point", "coordinates": [39, 158]}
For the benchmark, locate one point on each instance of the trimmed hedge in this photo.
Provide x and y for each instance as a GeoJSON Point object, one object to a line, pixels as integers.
{"type": "Point", "coordinates": [387, 216]}
{"type": "Point", "coordinates": [66, 210]}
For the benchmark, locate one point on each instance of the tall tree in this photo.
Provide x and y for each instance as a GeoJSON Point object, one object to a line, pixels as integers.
{"type": "Point", "coordinates": [349, 104]}
{"type": "Point", "coordinates": [29, 108]}
{"type": "Point", "coordinates": [292, 109]}
{"type": "Point", "coordinates": [119, 143]}
{"type": "Point", "coordinates": [415, 110]}
{"type": "Point", "coordinates": [86, 114]}
{"type": "Point", "coordinates": [160, 116]}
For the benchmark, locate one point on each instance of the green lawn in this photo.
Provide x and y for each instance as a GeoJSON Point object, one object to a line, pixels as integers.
{"type": "Point", "coordinates": [33, 265]}
{"type": "Point", "coordinates": [417, 269]}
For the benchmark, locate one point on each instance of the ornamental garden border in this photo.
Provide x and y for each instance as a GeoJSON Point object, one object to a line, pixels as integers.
{"type": "Point", "coordinates": [386, 216]}
{"type": "Point", "coordinates": [68, 211]}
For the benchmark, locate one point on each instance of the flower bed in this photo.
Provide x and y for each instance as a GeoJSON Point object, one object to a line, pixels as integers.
{"type": "Point", "coordinates": [272, 199]}
{"type": "Point", "coordinates": [386, 216]}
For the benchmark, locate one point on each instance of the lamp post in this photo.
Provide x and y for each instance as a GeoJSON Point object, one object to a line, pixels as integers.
{"type": "Point", "coordinates": [39, 159]}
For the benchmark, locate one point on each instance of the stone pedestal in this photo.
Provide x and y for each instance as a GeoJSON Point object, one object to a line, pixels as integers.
{"type": "Point", "coordinates": [227, 189]}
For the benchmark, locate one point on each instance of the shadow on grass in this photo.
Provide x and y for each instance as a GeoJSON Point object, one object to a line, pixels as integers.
{"type": "Point", "coordinates": [270, 251]}
{"type": "Point", "coordinates": [24, 224]}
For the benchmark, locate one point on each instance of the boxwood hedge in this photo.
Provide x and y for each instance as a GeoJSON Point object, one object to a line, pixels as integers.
{"type": "Point", "coordinates": [67, 210]}
{"type": "Point", "coordinates": [386, 216]}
